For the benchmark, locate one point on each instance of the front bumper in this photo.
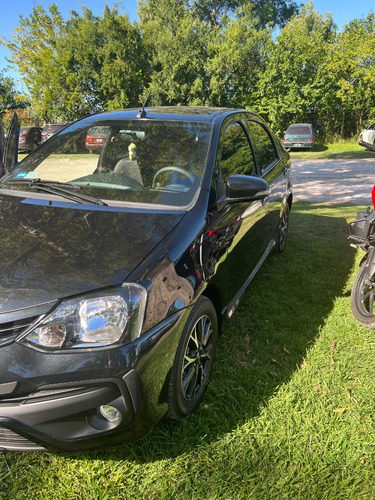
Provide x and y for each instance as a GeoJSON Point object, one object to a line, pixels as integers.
{"type": "Point", "coordinates": [64, 418]}
{"type": "Point", "coordinates": [61, 411]}
{"type": "Point", "coordinates": [367, 145]}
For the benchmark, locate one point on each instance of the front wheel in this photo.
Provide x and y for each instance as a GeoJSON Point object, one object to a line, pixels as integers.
{"type": "Point", "coordinates": [194, 359]}
{"type": "Point", "coordinates": [362, 296]}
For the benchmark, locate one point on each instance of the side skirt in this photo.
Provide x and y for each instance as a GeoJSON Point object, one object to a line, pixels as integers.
{"type": "Point", "coordinates": [232, 305]}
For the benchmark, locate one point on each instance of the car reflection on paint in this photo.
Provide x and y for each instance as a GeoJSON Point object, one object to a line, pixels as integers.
{"type": "Point", "coordinates": [119, 270]}
{"type": "Point", "coordinates": [96, 137]}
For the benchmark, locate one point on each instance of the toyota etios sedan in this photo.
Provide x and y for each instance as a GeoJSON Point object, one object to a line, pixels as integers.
{"type": "Point", "coordinates": [118, 269]}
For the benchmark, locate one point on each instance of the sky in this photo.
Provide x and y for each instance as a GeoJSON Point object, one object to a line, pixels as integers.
{"type": "Point", "coordinates": [343, 11]}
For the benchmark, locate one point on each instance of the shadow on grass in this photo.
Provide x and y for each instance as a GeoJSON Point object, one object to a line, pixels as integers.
{"type": "Point", "coordinates": [320, 147]}
{"type": "Point", "coordinates": [277, 321]}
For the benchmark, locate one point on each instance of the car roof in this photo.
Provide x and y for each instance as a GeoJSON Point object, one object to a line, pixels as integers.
{"type": "Point", "coordinates": [300, 124]}
{"type": "Point", "coordinates": [188, 113]}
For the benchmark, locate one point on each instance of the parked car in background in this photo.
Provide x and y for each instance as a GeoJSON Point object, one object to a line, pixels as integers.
{"type": "Point", "coordinates": [367, 137]}
{"type": "Point", "coordinates": [118, 270]}
{"type": "Point", "coordinates": [29, 138]}
{"type": "Point", "coordinates": [299, 135]}
{"type": "Point", "coordinates": [50, 129]}
{"type": "Point", "coordinates": [96, 137]}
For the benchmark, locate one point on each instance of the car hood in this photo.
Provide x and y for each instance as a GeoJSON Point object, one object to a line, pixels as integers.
{"type": "Point", "coordinates": [53, 251]}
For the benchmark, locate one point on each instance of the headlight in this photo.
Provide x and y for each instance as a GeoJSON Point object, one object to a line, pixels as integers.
{"type": "Point", "coordinates": [94, 321]}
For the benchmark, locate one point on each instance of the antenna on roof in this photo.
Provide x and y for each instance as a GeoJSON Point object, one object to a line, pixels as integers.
{"type": "Point", "coordinates": [142, 112]}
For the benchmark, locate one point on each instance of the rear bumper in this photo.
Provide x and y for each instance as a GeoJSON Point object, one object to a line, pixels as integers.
{"type": "Point", "coordinates": [298, 145]}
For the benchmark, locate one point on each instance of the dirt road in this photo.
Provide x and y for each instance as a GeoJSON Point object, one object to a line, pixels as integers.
{"type": "Point", "coordinates": [334, 181]}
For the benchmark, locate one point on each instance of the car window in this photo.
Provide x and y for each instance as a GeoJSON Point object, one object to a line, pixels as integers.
{"type": "Point", "coordinates": [299, 130]}
{"type": "Point", "coordinates": [151, 161]}
{"type": "Point", "coordinates": [263, 144]}
{"type": "Point", "coordinates": [98, 131]}
{"type": "Point", "coordinates": [236, 154]}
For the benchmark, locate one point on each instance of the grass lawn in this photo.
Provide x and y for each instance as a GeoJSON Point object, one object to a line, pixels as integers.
{"type": "Point", "coordinates": [337, 150]}
{"type": "Point", "coordinates": [290, 410]}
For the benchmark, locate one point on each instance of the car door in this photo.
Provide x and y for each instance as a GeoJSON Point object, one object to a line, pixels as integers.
{"type": "Point", "coordinates": [371, 135]}
{"type": "Point", "coordinates": [236, 229]}
{"type": "Point", "coordinates": [272, 168]}
{"type": "Point", "coordinates": [2, 147]}
{"type": "Point", "coordinates": [10, 152]}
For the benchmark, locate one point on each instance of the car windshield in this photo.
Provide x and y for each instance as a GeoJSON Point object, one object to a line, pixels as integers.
{"type": "Point", "coordinates": [140, 161]}
{"type": "Point", "coordinates": [299, 130]}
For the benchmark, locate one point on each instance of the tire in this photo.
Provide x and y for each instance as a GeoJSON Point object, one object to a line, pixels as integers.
{"type": "Point", "coordinates": [282, 233]}
{"type": "Point", "coordinates": [362, 298]}
{"type": "Point", "coordinates": [194, 359]}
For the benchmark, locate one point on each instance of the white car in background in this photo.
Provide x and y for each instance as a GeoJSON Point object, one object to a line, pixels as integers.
{"type": "Point", "coordinates": [367, 137]}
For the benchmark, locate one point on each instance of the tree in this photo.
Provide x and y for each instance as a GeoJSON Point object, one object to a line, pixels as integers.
{"type": "Point", "coordinates": [176, 45]}
{"type": "Point", "coordinates": [80, 66]}
{"type": "Point", "coordinates": [348, 75]}
{"type": "Point", "coordinates": [290, 89]}
{"type": "Point", "coordinates": [103, 61]}
{"type": "Point", "coordinates": [275, 12]}
{"type": "Point", "coordinates": [34, 54]}
{"type": "Point", "coordinates": [235, 60]}
{"type": "Point", "coordinates": [9, 97]}
{"type": "Point", "coordinates": [195, 64]}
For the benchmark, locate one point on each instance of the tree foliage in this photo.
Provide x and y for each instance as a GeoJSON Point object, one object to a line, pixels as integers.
{"type": "Point", "coordinates": [290, 66]}
{"type": "Point", "coordinates": [348, 78]}
{"type": "Point", "coordinates": [83, 65]}
{"type": "Point", "coordinates": [290, 90]}
{"type": "Point", "coordinates": [9, 97]}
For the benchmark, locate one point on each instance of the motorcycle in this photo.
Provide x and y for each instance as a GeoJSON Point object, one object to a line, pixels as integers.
{"type": "Point", "coordinates": [362, 234]}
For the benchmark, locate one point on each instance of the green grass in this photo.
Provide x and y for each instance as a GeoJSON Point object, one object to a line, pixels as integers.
{"type": "Point", "coordinates": [290, 410]}
{"type": "Point", "coordinates": [337, 150]}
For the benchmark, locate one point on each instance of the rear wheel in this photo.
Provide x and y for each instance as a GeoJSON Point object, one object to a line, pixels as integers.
{"type": "Point", "coordinates": [194, 359]}
{"type": "Point", "coordinates": [363, 295]}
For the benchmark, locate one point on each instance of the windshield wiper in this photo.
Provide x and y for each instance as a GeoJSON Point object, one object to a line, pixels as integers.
{"type": "Point", "coordinates": [55, 187]}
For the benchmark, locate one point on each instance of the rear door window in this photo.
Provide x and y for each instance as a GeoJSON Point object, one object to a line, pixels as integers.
{"type": "Point", "coordinates": [263, 145]}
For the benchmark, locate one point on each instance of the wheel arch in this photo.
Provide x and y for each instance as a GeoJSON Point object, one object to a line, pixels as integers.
{"type": "Point", "coordinates": [213, 293]}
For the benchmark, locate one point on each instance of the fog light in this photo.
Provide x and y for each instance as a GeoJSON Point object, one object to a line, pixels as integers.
{"type": "Point", "coordinates": [110, 413]}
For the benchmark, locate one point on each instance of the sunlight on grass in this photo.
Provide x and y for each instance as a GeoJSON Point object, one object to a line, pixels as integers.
{"type": "Point", "coordinates": [290, 409]}
{"type": "Point", "coordinates": [337, 150]}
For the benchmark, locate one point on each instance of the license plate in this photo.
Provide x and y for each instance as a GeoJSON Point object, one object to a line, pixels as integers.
{"type": "Point", "coordinates": [298, 145]}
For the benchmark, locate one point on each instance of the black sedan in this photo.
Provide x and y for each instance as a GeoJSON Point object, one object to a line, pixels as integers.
{"type": "Point", "coordinates": [119, 270]}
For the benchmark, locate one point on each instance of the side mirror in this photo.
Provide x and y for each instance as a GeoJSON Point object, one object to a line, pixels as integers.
{"type": "Point", "coordinates": [244, 188]}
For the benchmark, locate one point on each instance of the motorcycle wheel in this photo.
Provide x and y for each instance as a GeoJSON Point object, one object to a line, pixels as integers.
{"type": "Point", "coordinates": [363, 297]}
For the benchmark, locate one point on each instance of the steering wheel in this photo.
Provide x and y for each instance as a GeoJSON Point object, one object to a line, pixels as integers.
{"type": "Point", "coordinates": [180, 170]}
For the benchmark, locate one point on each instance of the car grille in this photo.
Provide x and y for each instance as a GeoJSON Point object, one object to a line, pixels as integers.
{"type": "Point", "coordinates": [11, 441]}
{"type": "Point", "coordinates": [9, 331]}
